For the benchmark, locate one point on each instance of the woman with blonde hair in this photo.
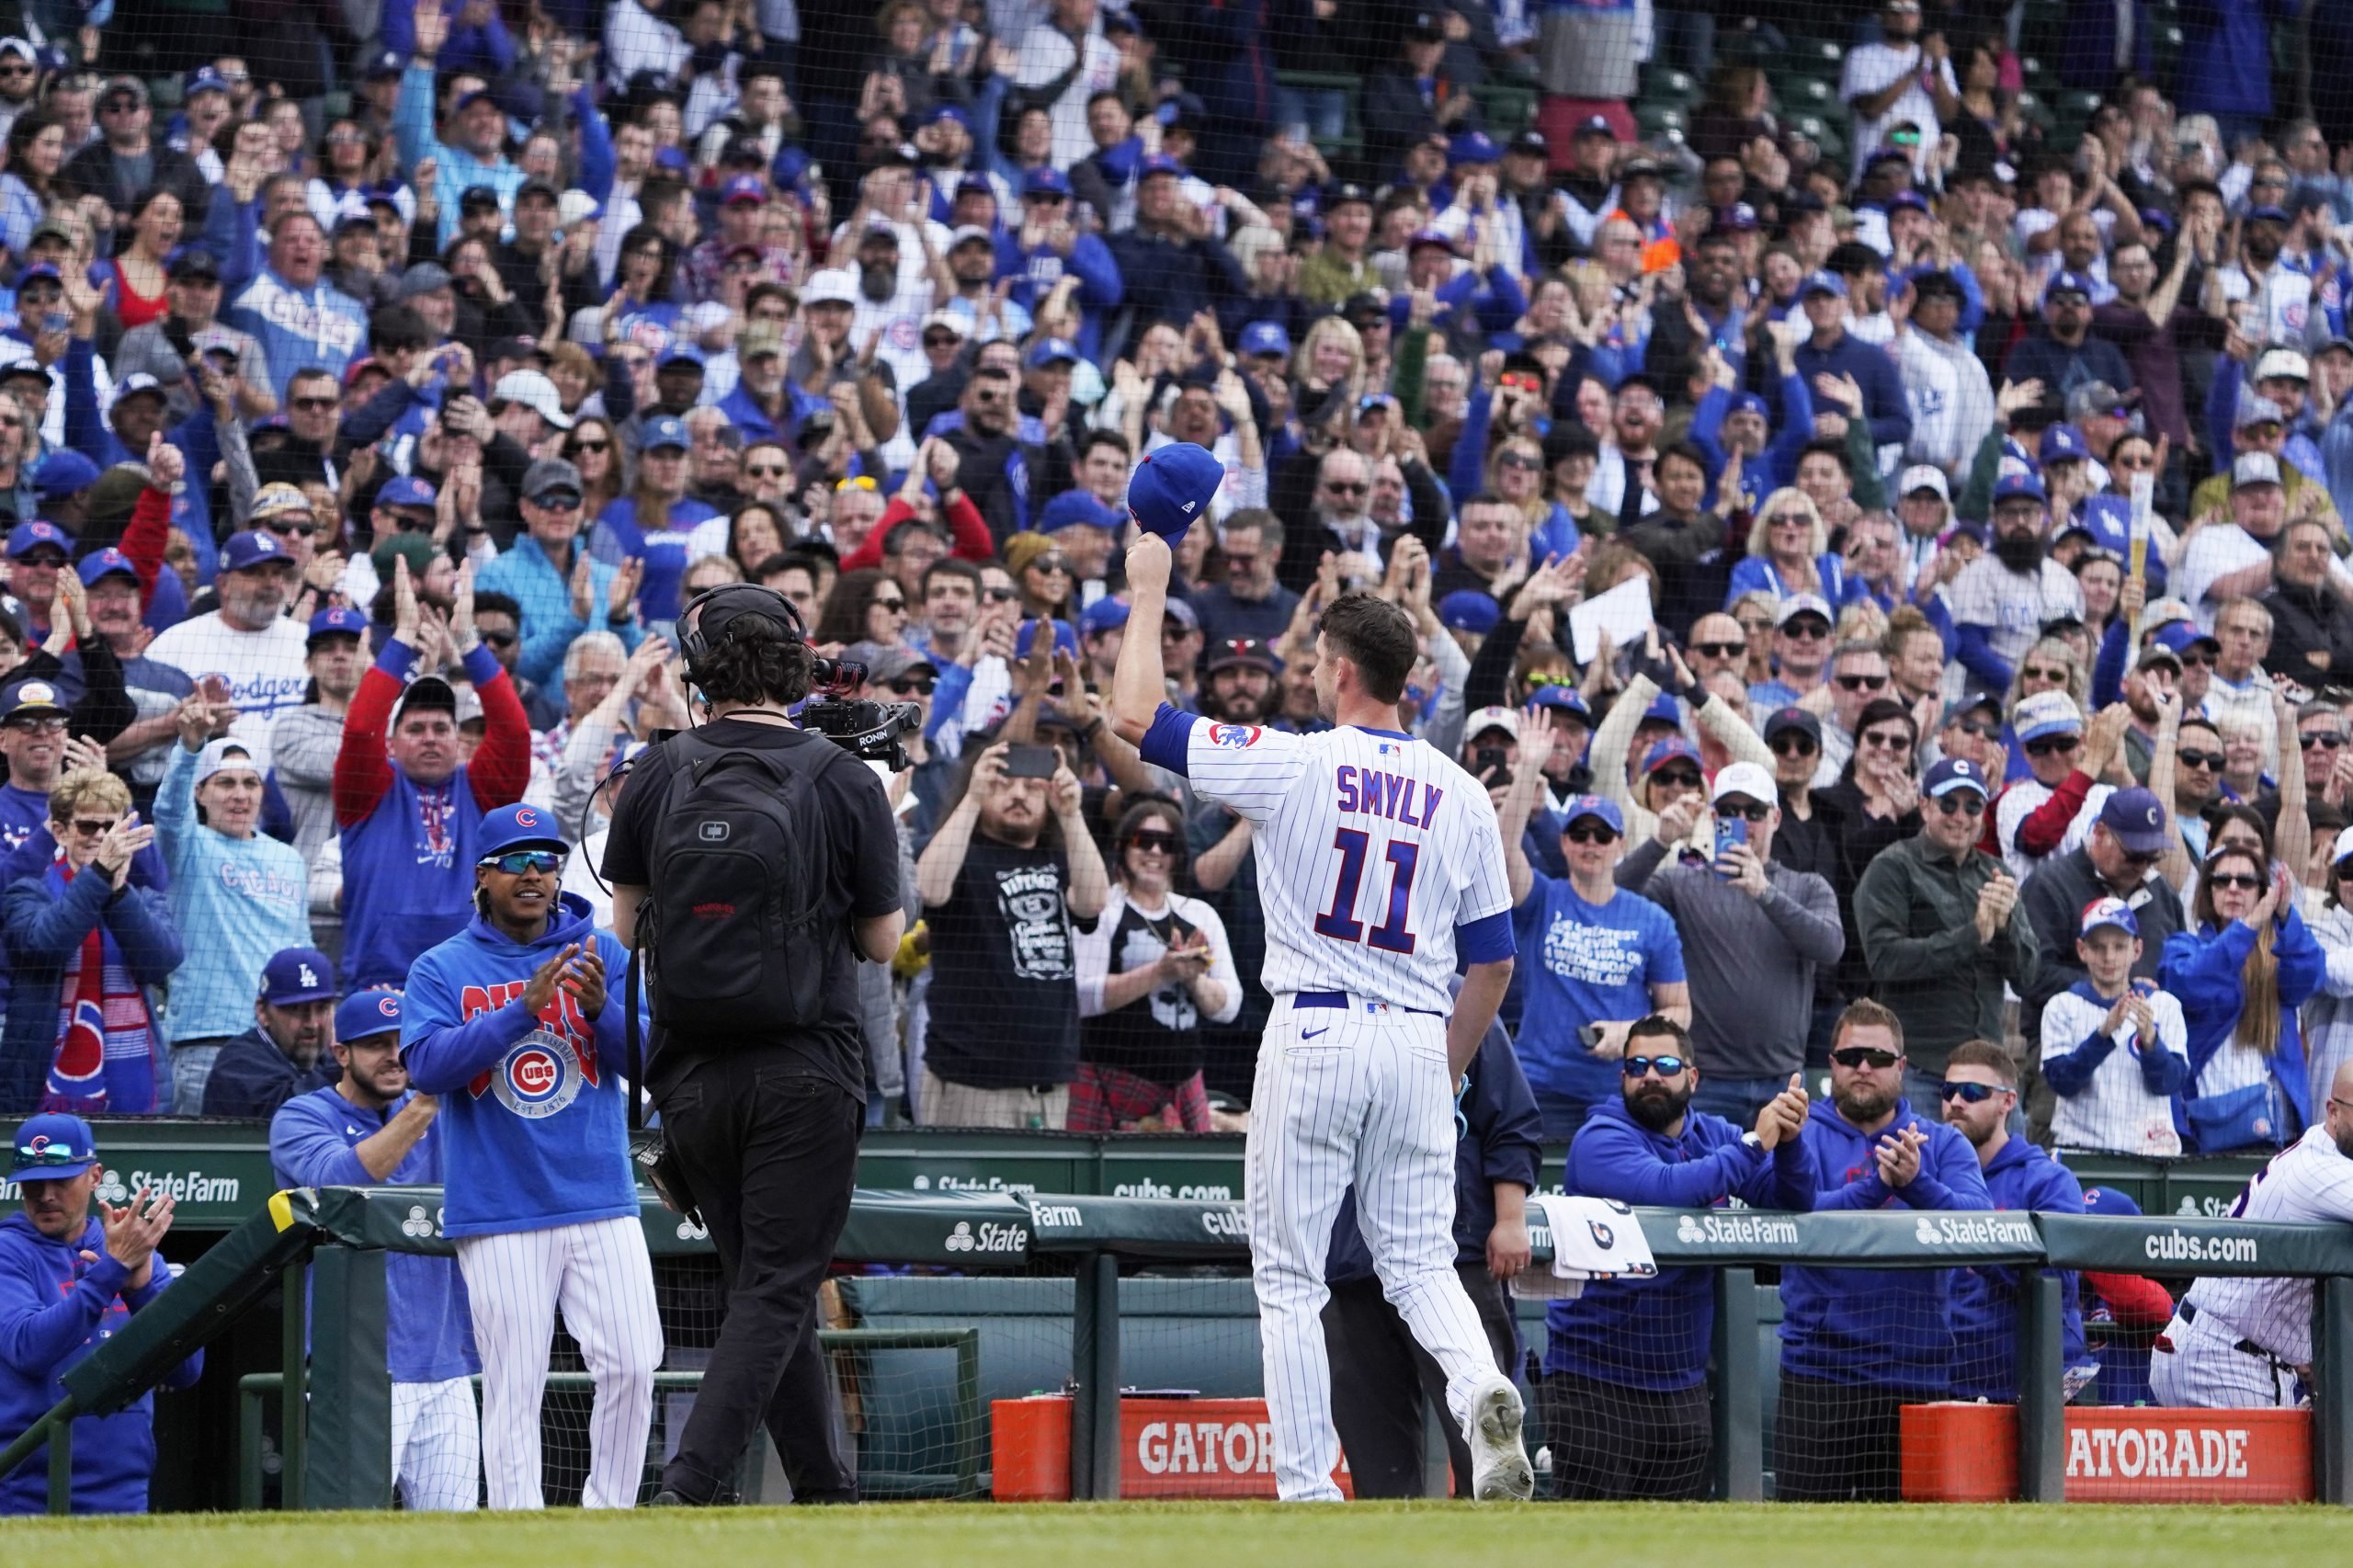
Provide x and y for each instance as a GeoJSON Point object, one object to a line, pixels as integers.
{"type": "Point", "coordinates": [1331, 355]}
{"type": "Point", "coordinates": [1789, 554]}
{"type": "Point", "coordinates": [1515, 472]}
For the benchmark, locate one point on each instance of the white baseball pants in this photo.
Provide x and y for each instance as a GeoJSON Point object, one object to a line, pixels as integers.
{"type": "Point", "coordinates": [600, 1273]}
{"type": "Point", "coordinates": [436, 1445]}
{"type": "Point", "coordinates": [2206, 1370]}
{"type": "Point", "coordinates": [1358, 1096]}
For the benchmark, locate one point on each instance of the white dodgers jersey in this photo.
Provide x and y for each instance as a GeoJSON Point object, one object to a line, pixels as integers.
{"type": "Point", "coordinates": [1373, 849]}
{"type": "Point", "coordinates": [2309, 1182]}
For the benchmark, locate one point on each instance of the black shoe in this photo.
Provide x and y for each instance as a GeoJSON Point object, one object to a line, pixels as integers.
{"type": "Point", "coordinates": [666, 1498]}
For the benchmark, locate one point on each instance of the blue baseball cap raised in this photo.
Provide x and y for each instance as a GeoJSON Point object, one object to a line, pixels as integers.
{"type": "Point", "coordinates": [366, 1013]}
{"type": "Point", "coordinates": [297, 974]}
{"type": "Point", "coordinates": [1264, 337]}
{"type": "Point", "coordinates": [1468, 609]}
{"type": "Point", "coordinates": [1172, 487]}
{"type": "Point", "coordinates": [520, 827]}
{"type": "Point", "coordinates": [1065, 638]}
{"type": "Point", "coordinates": [53, 1146]}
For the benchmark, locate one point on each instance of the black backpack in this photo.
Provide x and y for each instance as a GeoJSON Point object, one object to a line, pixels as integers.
{"type": "Point", "coordinates": [732, 929]}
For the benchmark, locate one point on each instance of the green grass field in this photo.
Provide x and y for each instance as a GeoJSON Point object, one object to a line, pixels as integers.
{"type": "Point", "coordinates": [1209, 1535]}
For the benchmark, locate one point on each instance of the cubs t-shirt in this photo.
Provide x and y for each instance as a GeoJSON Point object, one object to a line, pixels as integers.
{"type": "Point", "coordinates": [1004, 971]}
{"type": "Point", "coordinates": [1586, 961]}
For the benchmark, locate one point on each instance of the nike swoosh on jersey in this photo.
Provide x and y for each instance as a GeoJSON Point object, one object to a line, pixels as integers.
{"type": "Point", "coordinates": [1311, 1034]}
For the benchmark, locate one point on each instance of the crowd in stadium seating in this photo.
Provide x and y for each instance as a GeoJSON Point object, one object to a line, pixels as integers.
{"type": "Point", "coordinates": [1859, 514]}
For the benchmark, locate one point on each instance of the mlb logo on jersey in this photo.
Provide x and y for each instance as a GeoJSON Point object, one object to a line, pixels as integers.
{"type": "Point", "coordinates": [1234, 735]}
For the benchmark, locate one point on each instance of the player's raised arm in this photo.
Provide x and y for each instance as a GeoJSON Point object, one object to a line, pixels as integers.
{"type": "Point", "coordinates": [1139, 685]}
{"type": "Point", "coordinates": [1169, 492]}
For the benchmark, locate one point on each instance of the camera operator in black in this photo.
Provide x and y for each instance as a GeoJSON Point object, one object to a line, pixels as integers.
{"type": "Point", "coordinates": [764, 1124]}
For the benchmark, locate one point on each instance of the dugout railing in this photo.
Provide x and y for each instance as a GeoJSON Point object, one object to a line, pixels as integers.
{"type": "Point", "coordinates": [333, 1243]}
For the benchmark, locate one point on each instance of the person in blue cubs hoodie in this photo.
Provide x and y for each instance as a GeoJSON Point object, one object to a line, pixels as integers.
{"type": "Point", "coordinates": [70, 1278]}
{"type": "Point", "coordinates": [367, 1126]}
{"type": "Point", "coordinates": [1980, 1090]}
{"type": "Point", "coordinates": [511, 1026]}
{"type": "Point", "coordinates": [1624, 1398]}
{"type": "Point", "coordinates": [1860, 1344]}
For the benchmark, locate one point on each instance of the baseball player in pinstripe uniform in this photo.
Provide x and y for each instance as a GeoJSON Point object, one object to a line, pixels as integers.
{"type": "Point", "coordinates": [2244, 1344]}
{"type": "Point", "coordinates": [1379, 860]}
{"type": "Point", "coordinates": [509, 1023]}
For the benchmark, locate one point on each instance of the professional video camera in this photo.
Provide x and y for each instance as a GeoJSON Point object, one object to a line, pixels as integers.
{"type": "Point", "coordinates": [866, 729]}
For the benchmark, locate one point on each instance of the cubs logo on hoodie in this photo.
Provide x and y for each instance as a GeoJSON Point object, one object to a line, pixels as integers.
{"type": "Point", "coordinates": [546, 1068]}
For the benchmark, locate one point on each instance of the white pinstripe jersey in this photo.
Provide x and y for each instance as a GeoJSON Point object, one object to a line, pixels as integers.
{"type": "Point", "coordinates": [2309, 1182]}
{"type": "Point", "coordinates": [1372, 849]}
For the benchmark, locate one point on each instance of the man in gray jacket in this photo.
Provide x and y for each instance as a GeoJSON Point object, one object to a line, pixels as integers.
{"type": "Point", "coordinates": [1943, 928]}
{"type": "Point", "coordinates": [1754, 932]}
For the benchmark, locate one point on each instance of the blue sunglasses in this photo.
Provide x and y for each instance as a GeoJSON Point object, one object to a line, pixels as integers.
{"type": "Point", "coordinates": [515, 862]}
{"type": "Point", "coordinates": [1975, 1094]}
{"type": "Point", "coordinates": [1666, 1066]}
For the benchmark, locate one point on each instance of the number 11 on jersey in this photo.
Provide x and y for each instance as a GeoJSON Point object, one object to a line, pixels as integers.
{"type": "Point", "coordinates": [1339, 921]}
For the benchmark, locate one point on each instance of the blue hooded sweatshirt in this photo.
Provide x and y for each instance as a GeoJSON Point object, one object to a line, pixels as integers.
{"type": "Point", "coordinates": [1892, 1327]}
{"type": "Point", "coordinates": [429, 1333]}
{"type": "Point", "coordinates": [1654, 1334]}
{"type": "Point", "coordinates": [54, 1309]}
{"type": "Point", "coordinates": [1985, 1299]}
{"type": "Point", "coordinates": [532, 1105]}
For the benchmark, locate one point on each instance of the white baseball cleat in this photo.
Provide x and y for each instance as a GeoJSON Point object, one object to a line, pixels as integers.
{"type": "Point", "coordinates": [1500, 1468]}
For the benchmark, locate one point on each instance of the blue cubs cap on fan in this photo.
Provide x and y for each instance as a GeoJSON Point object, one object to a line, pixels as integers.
{"type": "Point", "coordinates": [336, 619]}
{"type": "Point", "coordinates": [26, 537]}
{"type": "Point", "coordinates": [1954, 773]}
{"type": "Point", "coordinates": [1666, 751]}
{"type": "Point", "coordinates": [520, 827]}
{"type": "Point", "coordinates": [297, 974]}
{"type": "Point", "coordinates": [1600, 808]}
{"type": "Point", "coordinates": [1052, 351]}
{"type": "Point", "coordinates": [2180, 636]}
{"type": "Point", "coordinates": [365, 1013]}
{"type": "Point", "coordinates": [404, 490]}
{"type": "Point", "coordinates": [1065, 638]}
{"type": "Point", "coordinates": [1173, 486]}
{"type": "Point", "coordinates": [2013, 486]}
{"type": "Point", "coordinates": [1045, 180]}
{"type": "Point", "coordinates": [1747, 402]}
{"type": "Point", "coordinates": [2069, 283]}
{"type": "Point", "coordinates": [1663, 710]}
{"type": "Point", "coordinates": [742, 188]}
{"type": "Point", "coordinates": [2135, 820]}
{"type": "Point", "coordinates": [2102, 912]}
{"type": "Point", "coordinates": [1264, 337]}
{"type": "Point", "coordinates": [2266, 213]}
{"type": "Point", "coordinates": [1563, 699]}
{"type": "Point", "coordinates": [1822, 283]}
{"type": "Point", "coordinates": [1103, 615]}
{"type": "Point", "coordinates": [105, 563]}
{"type": "Point", "coordinates": [1468, 609]}
{"type": "Point", "coordinates": [667, 431]}
{"type": "Point", "coordinates": [1076, 507]}
{"type": "Point", "coordinates": [53, 1146]}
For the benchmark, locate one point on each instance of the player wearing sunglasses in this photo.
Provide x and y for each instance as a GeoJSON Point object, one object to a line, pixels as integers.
{"type": "Point", "coordinates": [515, 1025]}
{"type": "Point", "coordinates": [1980, 1093]}
{"type": "Point", "coordinates": [1858, 1345]}
{"type": "Point", "coordinates": [1624, 1398]}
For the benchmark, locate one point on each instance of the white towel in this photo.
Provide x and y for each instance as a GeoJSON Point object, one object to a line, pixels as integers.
{"type": "Point", "coordinates": [1593, 1238]}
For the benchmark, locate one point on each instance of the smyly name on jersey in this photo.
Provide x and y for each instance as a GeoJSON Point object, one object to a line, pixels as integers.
{"type": "Point", "coordinates": [563, 1014]}
{"type": "Point", "coordinates": [1412, 801]}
